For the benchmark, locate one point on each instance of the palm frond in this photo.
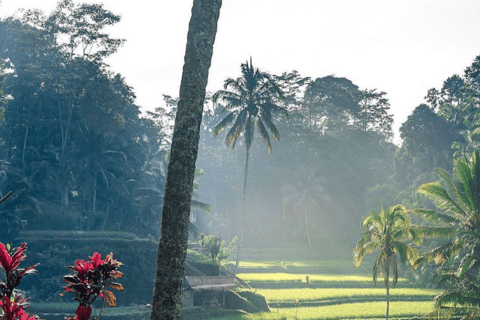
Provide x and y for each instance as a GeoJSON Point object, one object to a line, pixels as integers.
{"type": "Point", "coordinates": [224, 123]}
{"type": "Point", "coordinates": [434, 216]}
{"type": "Point", "coordinates": [432, 232]}
{"type": "Point", "coordinates": [401, 249]}
{"type": "Point", "coordinates": [373, 219]}
{"type": "Point", "coordinates": [268, 89]}
{"type": "Point", "coordinates": [446, 252]}
{"type": "Point", "coordinates": [236, 130]}
{"type": "Point", "coordinates": [469, 236]}
{"type": "Point", "coordinates": [363, 248]}
{"type": "Point", "coordinates": [266, 116]}
{"type": "Point", "coordinates": [457, 298]}
{"type": "Point", "coordinates": [439, 196]}
{"type": "Point", "coordinates": [379, 266]}
{"type": "Point", "coordinates": [416, 234]}
{"type": "Point", "coordinates": [399, 234]}
{"type": "Point", "coordinates": [465, 265]}
{"type": "Point", "coordinates": [264, 134]}
{"type": "Point", "coordinates": [237, 85]}
{"type": "Point", "coordinates": [272, 107]}
{"type": "Point", "coordinates": [195, 204]}
{"type": "Point", "coordinates": [232, 100]}
{"type": "Point", "coordinates": [463, 175]}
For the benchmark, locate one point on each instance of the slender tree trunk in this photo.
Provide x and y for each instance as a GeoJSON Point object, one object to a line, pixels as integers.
{"type": "Point", "coordinates": [306, 228]}
{"type": "Point", "coordinates": [242, 218]}
{"type": "Point", "coordinates": [387, 278]}
{"type": "Point", "coordinates": [25, 147]}
{"type": "Point", "coordinates": [94, 201]}
{"type": "Point", "coordinates": [106, 218]}
{"type": "Point", "coordinates": [63, 160]}
{"type": "Point", "coordinates": [65, 202]}
{"type": "Point", "coordinates": [388, 302]}
{"type": "Point", "coordinates": [172, 249]}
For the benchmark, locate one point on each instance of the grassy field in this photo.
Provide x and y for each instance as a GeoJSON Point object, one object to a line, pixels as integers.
{"type": "Point", "coordinates": [338, 265]}
{"type": "Point", "coordinates": [323, 266]}
{"type": "Point", "coordinates": [329, 294]}
{"type": "Point", "coordinates": [335, 289]}
{"type": "Point", "coordinates": [367, 310]}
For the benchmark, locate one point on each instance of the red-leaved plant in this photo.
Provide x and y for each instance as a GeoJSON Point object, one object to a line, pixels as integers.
{"type": "Point", "coordinates": [91, 280]}
{"type": "Point", "coordinates": [12, 302]}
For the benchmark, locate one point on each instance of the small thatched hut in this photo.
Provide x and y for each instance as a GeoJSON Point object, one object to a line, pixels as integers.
{"type": "Point", "coordinates": [206, 291]}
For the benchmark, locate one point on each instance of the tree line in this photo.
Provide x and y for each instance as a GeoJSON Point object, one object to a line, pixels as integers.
{"type": "Point", "coordinates": [76, 151]}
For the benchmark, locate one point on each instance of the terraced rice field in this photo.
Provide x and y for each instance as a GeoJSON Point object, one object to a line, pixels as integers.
{"type": "Point", "coordinates": [366, 310]}
{"type": "Point", "coordinates": [335, 289]}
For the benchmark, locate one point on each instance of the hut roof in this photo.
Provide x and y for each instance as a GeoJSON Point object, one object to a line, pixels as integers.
{"type": "Point", "coordinates": [208, 282]}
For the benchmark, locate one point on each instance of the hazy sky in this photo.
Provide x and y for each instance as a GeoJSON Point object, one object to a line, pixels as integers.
{"type": "Point", "coordinates": [402, 47]}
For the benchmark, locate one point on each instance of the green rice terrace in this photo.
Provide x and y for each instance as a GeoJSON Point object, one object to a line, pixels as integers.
{"type": "Point", "coordinates": [330, 288]}
{"type": "Point", "coordinates": [310, 285]}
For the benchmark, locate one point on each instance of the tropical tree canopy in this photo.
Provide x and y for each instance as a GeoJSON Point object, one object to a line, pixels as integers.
{"type": "Point", "coordinates": [457, 220]}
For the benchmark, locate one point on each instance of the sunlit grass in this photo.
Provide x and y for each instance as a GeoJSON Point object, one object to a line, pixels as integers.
{"type": "Point", "coordinates": [324, 252]}
{"type": "Point", "coordinates": [314, 278]}
{"type": "Point", "coordinates": [321, 294]}
{"type": "Point", "coordinates": [340, 266]}
{"type": "Point", "coordinates": [298, 264]}
{"type": "Point", "coordinates": [345, 311]}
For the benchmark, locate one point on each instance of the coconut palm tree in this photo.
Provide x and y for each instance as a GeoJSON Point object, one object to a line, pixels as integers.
{"type": "Point", "coordinates": [386, 232]}
{"type": "Point", "coordinates": [457, 219]}
{"type": "Point", "coordinates": [172, 249]}
{"type": "Point", "coordinates": [250, 104]}
{"type": "Point", "coordinates": [306, 193]}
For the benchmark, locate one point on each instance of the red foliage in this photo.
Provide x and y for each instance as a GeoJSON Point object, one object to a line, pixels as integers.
{"type": "Point", "coordinates": [90, 281]}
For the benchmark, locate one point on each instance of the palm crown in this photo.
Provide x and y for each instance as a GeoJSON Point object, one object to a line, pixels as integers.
{"type": "Point", "coordinates": [250, 105]}
{"type": "Point", "coordinates": [385, 232]}
{"type": "Point", "coordinates": [458, 218]}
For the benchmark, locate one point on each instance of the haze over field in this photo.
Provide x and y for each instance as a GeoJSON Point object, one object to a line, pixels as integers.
{"type": "Point", "coordinates": [343, 130]}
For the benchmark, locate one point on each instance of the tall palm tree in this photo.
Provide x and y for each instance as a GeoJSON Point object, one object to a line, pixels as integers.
{"type": "Point", "coordinates": [172, 248]}
{"type": "Point", "coordinates": [457, 219]}
{"type": "Point", "coordinates": [386, 232]}
{"type": "Point", "coordinates": [250, 104]}
{"type": "Point", "coordinates": [306, 193]}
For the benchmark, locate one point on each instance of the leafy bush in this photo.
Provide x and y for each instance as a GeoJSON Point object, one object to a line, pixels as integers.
{"type": "Point", "coordinates": [90, 281]}
{"type": "Point", "coordinates": [215, 246]}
